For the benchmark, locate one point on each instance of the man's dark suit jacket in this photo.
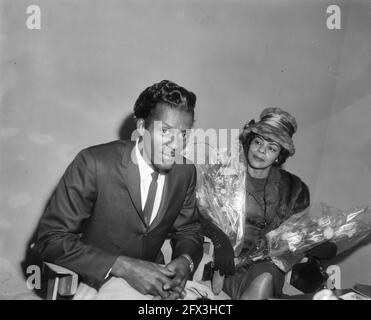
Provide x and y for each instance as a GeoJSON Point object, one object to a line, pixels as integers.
{"type": "Point", "coordinates": [95, 214]}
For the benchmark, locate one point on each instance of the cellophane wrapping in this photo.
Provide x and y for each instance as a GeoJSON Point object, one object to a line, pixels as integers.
{"type": "Point", "coordinates": [221, 194]}
{"type": "Point", "coordinates": [319, 223]}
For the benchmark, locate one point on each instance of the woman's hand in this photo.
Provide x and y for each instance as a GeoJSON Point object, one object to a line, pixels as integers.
{"type": "Point", "coordinates": [253, 236]}
{"type": "Point", "coordinates": [224, 257]}
{"type": "Point", "coordinates": [223, 250]}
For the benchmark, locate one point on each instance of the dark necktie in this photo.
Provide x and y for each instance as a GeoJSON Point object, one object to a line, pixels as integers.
{"type": "Point", "coordinates": [148, 207]}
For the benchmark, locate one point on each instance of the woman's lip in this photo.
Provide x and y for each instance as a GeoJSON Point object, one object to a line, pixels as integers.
{"type": "Point", "coordinates": [258, 158]}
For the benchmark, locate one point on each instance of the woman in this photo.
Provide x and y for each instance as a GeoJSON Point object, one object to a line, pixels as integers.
{"type": "Point", "coordinates": [272, 195]}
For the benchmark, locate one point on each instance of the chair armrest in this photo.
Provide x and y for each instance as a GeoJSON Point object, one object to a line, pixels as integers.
{"type": "Point", "coordinates": [61, 281]}
{"type": "Point", "coordinates": [60, 270]}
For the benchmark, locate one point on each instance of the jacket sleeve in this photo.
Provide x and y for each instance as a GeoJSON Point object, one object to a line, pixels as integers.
{"type": "Point", "coordinates": [186, 236]}
{"type": "Point", "coordinates": [59, 230]}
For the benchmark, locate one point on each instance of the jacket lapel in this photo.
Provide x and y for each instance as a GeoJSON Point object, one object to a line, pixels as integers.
{"type": "Point", "coordinates": [132, 177]}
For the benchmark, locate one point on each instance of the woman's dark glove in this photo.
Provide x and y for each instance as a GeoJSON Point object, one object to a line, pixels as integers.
{"type": "Point", "coordinates": [224, 256]}
{"type": "Point", "coordinates": [223, 250]}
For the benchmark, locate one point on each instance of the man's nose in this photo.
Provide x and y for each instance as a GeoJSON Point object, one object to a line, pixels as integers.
{"type": "Point", "coordinates": [174, 142]}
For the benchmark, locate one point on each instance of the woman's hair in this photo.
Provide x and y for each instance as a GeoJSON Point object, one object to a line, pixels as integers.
{"type": "Point", "coordinates": [167, 92]}
{"type": "Point", "coordinates": [249, 137]}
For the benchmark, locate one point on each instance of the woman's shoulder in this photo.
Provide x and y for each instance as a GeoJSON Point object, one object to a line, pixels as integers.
{"type": "Point", "coordinates": [292, 179]}
{"type": "Point", "coordinates": [299, 191]}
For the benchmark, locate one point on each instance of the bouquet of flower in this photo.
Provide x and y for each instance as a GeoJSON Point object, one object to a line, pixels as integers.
{"type": "Point", "coordinates": [221, 193]}
{"type": "Point", "coordinates": [317, 224]}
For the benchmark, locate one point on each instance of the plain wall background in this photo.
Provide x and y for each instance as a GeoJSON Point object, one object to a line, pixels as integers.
{"type": "Point", "coordinates": [72, 84]}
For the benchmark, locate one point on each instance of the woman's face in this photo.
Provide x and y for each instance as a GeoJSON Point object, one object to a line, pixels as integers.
{"type": "Point", "coordinates": [262, 153]}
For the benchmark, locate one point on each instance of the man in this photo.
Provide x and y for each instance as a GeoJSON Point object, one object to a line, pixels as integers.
{"type": "Point", "coordinates": [117, 202]}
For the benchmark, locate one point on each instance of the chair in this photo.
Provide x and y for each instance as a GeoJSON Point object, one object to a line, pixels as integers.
{"type": "Point", "coordinates": [61, 282]}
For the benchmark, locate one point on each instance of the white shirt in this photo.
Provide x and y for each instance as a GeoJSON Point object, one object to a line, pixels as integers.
{"type": "Point", "coordinates": [145, 172]}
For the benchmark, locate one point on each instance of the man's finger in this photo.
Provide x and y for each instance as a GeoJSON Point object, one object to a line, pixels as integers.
{"type": "Point", "coordinates": [163, 294]}
{"type": "Point", "coordinates": [165, 277]}
{"type": "Point", "coordinates": [179, 289]}
{"type": "Point", "coordinates": [166, 271]}
{"type": "Point", "coordinates": [183, 294]}
{"type": "Point", "coordinates": [183, 284]}
{"type": "Point", "coordinates": [173, 296]}
{"type": "Point", "coordinates": [172, 284]}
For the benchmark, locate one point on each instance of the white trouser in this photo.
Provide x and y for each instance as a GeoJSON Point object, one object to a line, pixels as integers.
{"type": "Point", "coordinates": [119, 289]}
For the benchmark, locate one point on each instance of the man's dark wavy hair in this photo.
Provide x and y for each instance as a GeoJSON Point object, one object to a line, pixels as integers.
{"type": "Point", "coordinates": [167, 92]}
{"type": "Point", "coordinates": [249, 137]}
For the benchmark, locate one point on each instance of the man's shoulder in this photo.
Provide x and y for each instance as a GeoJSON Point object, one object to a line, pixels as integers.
{"type": "Point", "coordinates": [111, 146]}
{"type": "Point", "coordinates": [108, 151]}
{"type": "Point", "coordinates": [185, 165]}
{"type": "Point", "coordinates": [185, 171]}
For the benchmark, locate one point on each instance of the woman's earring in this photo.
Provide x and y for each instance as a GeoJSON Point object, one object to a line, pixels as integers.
{"type": "Point", "coordinates": [140, 127]}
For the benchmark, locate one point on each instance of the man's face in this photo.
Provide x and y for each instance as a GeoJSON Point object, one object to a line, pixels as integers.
{"type": "Point", "coordinates": [166, 136]}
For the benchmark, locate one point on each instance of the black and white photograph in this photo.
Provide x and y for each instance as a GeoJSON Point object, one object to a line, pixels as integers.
{"type": "Point", "coordinates": [185, 150]}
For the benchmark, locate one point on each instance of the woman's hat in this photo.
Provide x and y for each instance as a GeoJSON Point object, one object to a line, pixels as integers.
{"type": "Point", "coordinates": [274, 124]}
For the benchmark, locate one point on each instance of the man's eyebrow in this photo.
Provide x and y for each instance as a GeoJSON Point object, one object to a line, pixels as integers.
{"type": "Point", "coordinates": [171, 127]}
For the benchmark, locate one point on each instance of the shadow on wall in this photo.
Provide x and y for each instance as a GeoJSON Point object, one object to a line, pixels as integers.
{"type": "Point", "coordinates": [128, 127]}
{"type": "Point", "coordinates": [32, 258]}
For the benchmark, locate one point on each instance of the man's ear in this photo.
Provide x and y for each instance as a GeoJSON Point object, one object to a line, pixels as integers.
{"type": "Point", "coordinates": [140, 127]}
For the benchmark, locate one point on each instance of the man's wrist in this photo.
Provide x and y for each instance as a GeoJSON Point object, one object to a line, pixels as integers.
{"type": "Point", "coordinates": [189, 261]}
{"type": "Point", "coordinates": [120, 267]}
